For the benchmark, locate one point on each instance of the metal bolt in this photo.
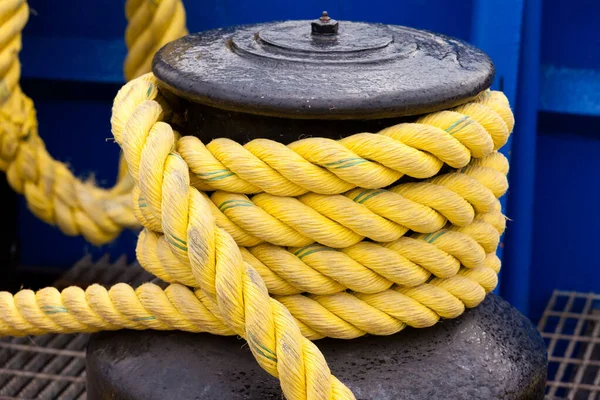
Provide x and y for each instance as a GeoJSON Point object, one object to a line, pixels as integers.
{"type": "Point", "coordinates": [324, 25]}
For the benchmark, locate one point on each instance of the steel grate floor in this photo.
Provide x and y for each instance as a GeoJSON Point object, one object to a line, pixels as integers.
{"type": "Point", "coordinates": [45, 367]}
{"type": "Point", "coordinates": [570, 326]}
{"type": "Point", "coordinates": [53, 366]}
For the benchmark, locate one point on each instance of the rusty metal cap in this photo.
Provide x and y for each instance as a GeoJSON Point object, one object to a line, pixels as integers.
{"type": "Point", "coordinates": [324, 69]}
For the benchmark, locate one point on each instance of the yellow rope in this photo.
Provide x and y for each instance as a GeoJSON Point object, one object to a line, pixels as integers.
{"type": "Point", "coordinates": [52, 192]}
{"type": "Point", "coordinates": [283, 244]}
{"type": "Point", "coordinates": [152, 24]}
{"type": "Point", "coordinates": [279, 270]}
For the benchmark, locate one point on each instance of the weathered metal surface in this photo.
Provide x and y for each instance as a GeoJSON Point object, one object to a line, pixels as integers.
{"type": "Point", "coordinates": [365, 71]}
{"type": "Point", "coordinates": [324, 25]}
{"type": "Point", "coordinates": [491, 352]}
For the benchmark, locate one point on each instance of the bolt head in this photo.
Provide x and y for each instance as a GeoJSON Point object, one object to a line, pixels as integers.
{"type": "Point", "coordinates": [324, 25]}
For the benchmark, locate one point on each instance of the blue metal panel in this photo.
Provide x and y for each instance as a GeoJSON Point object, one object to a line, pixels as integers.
{"type": "Point", "coordinates": [570, 54]}
{"type": "Point", "coordinates": [517, 257]}
{"type": "Point", "coordinates": [496, 30]}
{"type": "Point", "coordinates": [79, 41]}
{"type": "Point", "coordinates": [68, 124]}
{"type": "Point", "coordinates": [570, 90]}
{"type": "Point", "coordinates": [553, 226]}
{"type": "Point", "coordinates": [570, 34]}
{"type": "Point", "coordinates": [565, 212]}
{"type": "Point", "coordinates": [74, 59]}
{"type": "Point", "coordinates": [64, 18]}
{"type": "Point", "coordinates": [449, 17]}
{"type": "Point", "coordinates": [564, 219]}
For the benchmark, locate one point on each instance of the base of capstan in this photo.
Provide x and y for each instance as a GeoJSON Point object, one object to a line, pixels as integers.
{"type": "Point", "coordinates": [490, 352]}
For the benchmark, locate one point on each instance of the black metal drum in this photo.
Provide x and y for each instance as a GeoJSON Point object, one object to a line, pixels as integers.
{"type": "Point", "coordinates": [490, 352]}
{"type": "Point", "coordinates": [282, 81]}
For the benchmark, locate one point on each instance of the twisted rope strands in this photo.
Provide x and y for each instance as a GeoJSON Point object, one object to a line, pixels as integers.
{"type": "Point", "coordinates": [177, 307]}
{"type": "Point", "coordinates": [341, 315]}
{"type": "Point", "coordinates": [151, 25]}
{"type": "Point", "coordinates": [216, 262]}
{"type": "Point", "coordinates": [51, 190]}
{"type": "Point", "coordinates": [366, 267]}
{"type": "Point", "coordinates": [173, 234]}
{"type": "Point", "coordinates": [190, 246]}
{"type": "Point", "coordinates": [470, 293]}
{"type": "Point", "coordinates": [343, 220]}
{"type": "Point", "coordinates": [326, 166]}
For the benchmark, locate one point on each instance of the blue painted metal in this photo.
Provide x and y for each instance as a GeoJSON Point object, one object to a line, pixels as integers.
{"type": "Point", "coordinates": [566, 219]}
{"type": "Point", "coordinates": [489, 18]}
{"type": "Point", "coordinates": [74, 59]}
{"type": "Point", "coordinates": [570, 34]}
{"type": "Point", "coordinates": [452, 18]}
{"type": "Point", "coordinates": [570, 90]}
{"type": "Point", "coordinates": [74, 120]}
{"type": "Point", "coordinates": [570, 56]}
{"type": "Point", "coordinates": [517, 258]}
{"type": "Point", "coordinates": [76, 41]}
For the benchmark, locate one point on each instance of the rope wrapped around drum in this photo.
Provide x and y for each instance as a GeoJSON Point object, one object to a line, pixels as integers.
{"type": "Point", "coordinates": [323, 277]}
{"type": "Point", "coordinates": [283, 244]}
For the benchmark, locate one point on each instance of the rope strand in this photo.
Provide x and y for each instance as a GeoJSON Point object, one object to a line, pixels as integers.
{"type": "Point", "coordinates": [51, 190]}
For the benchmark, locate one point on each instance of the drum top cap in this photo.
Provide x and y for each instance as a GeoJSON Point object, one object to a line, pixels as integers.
{"type": "Point", "coordinates": [324, 69]}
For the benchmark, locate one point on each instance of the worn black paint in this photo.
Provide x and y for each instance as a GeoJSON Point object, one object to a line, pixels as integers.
{"type": "Point", "coordinates": [210, 123]}
{"type": "Point", "coordinates": [365, 71]}
{"type": "Point", "coordinates": [490, 352]}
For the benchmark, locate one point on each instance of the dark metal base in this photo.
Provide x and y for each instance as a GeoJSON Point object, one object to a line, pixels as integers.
{"type": "Point", "coordinates": [491, 352]}
{"type": "Point", "coordinates": [209, 123]}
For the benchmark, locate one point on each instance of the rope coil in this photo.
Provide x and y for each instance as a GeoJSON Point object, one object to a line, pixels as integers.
{"type": "Point", "coordinates": [278, 244]}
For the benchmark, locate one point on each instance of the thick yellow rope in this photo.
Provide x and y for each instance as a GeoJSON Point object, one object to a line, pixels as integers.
{"type": "Point", "coordinates": [279, 270]}
{"type": "Point", "coordinates": [52, 192]}
{"type": "Point", "coordinates": [283, 244]}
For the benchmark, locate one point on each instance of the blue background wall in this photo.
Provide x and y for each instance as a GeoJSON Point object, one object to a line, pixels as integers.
{"type": "Point", "coordinates": [567, 152]}
{"type": "Point", "coordinates": [548, 63]}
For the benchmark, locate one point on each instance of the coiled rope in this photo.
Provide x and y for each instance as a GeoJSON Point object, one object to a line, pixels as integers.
{"type": "Point", "coordinates": [288, 244]}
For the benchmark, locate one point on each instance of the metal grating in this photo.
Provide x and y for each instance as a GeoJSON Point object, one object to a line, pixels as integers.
{"type": "Point", "coordinates": [53, 366]}
{"type": "Point", "coordinates": [570, 326]}
{"type": "Point", "coordinates": [45, 367]}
